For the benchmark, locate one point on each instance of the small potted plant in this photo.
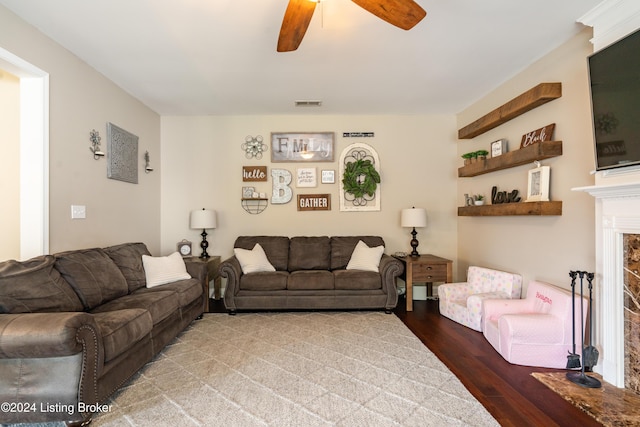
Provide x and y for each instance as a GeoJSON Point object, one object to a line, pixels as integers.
{"type": "Point", "coordinates": [478, 200]}
{"type": "Point", "coordinates": [467, 158]}
{"type": "Point", "coordinates": [481, 154]}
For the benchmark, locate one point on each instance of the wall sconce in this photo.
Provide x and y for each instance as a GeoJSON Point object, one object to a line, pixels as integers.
{"type": "Point", "coordinates": [147, 165]}
{"type": "Point", "coordinates": [94, 137]}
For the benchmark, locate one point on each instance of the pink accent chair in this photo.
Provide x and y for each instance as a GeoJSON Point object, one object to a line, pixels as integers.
{"type": "Point", "coordinates": [536, 330]}
{"type": "Point", "coordinates": [462, 302]}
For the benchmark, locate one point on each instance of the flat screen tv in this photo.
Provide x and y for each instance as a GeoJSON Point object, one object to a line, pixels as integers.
{"type": "Point", "coordinates": [614, 74]}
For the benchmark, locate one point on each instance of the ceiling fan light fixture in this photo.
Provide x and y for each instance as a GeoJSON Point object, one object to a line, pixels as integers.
{"type": "Point", "coordinates": [308, 103]}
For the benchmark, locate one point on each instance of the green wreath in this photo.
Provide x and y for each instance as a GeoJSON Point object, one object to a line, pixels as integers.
{"type": "Point", "coordinates": [360, 168]}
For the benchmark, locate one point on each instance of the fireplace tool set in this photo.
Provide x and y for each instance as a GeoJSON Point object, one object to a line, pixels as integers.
{"type": "Point", "coordinates": [589, 353]}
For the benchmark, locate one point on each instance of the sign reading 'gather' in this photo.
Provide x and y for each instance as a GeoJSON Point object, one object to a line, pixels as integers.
{"type": "Point", "coordinates": [314, 202]}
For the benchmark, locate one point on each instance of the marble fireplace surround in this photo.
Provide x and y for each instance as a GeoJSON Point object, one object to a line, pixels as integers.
{"type": "Point", "coordinates": [617, 215]}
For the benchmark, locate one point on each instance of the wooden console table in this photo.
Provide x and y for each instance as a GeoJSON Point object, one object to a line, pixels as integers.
{"type": "Point", "coordinates": [425, 269]}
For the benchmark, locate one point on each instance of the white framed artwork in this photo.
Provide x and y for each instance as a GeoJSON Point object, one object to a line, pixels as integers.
{"type": "Point", "coordinates": [328, 176]}
{"type": "Point", "coordinates": [538, 184]}
{"type": "Point", "coordinates": [306, 177]}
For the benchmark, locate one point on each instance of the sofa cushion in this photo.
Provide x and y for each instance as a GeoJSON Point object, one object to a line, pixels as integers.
{"type": "Point", "coordinates": [309, 253]}
{"type": "Point", "coordinates": [122, 329]}
{"type": "Point", "coordinates": [342, 247]}
{"type": "Point", "coordinates": [93, 275]}
{"type": "Point", "coordinates": [187, 291]}
{"type": "Point", "coordinates": [128, 258]}
{"type": "Point", "coordinates": [164, 269]}
{"type": "Point", "coordinates": [357, 280]}
{"type": "Point", "coordinates": [254, 260]}
{"type": "Point", "coordinates": [365, 258]}
{"type": "Point", "coordinates": [159, 302]}
{"type": "Point", "coordinates": [310, 280]}
{"type": "Point", "coordinates": [264, 281]}
{"type": "Point", "coordinates": [35, 286]}
{"type": "Point", "coordinates": [275, 247]}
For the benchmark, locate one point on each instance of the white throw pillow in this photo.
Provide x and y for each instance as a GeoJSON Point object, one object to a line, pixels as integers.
{"type": "Point", "coordinates": [365, 258]}
{"type": "Point", "coordinates": [164, 269]}
{"type": "Point", "coordinates": [254, 260]}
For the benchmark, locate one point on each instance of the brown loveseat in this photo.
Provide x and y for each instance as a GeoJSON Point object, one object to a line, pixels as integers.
{"type": "Point", "coordinates": [76, 325]}
{"type": "Point", "coordinates": [310, 273]}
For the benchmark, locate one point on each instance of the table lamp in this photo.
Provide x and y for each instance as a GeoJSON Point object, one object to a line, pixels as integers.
{"type": "Point", "coordinates": [203, 219]}
{"type": "Point", "coordinates": [414, 217]}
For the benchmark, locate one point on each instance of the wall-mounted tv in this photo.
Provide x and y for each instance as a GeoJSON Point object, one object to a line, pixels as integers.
{"type": "Point", "coordinates": [614, 74]}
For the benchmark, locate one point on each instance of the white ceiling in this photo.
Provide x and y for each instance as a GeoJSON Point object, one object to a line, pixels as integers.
{"type": "Point", "coordinates": [192, 57]}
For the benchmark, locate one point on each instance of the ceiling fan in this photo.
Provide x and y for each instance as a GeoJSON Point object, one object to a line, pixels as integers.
{"type": "Point", "coordinates": [403, 14]}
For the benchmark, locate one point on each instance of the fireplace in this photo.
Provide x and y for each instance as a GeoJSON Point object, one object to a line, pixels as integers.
{"type": "Point", "coordinates": [631, 299]}
{"type": "Point", "coordinates": [617, 284]}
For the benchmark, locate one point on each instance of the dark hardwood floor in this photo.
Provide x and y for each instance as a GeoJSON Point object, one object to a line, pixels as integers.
{"type": "Point", "coordinates": [509, 392]}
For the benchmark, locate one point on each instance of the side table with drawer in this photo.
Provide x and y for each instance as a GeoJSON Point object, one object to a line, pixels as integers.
{"type": "Point", "coordinates": [425, 269]}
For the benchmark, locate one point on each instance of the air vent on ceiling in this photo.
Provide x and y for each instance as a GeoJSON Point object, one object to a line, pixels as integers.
{"type": "Point", "coordinates": [308, 103]}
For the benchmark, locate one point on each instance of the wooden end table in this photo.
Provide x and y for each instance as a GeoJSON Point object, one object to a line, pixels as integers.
{"type": "Point", "coordinates": [425, 269]}
{"type": "Point", "coordinates": [213, 262]}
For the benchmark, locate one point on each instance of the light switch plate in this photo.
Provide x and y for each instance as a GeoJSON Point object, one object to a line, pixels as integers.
{"type": "Point", "coordinates": [78, 212]}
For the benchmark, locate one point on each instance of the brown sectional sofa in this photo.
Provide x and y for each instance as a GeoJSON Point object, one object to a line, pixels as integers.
{"type": "Point", "coordinates": [310, 274]}
{"type": "Point", "coordinates": [75, 326]}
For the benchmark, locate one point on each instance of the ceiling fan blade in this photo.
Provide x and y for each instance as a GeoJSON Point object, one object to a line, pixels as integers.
{"type": "Point", "coordinates": [294, 24]}
{"type": "Point", "coordinates": [403, 14]}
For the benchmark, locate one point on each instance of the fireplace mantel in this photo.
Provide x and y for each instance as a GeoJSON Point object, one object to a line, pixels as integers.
{"type": "Point", "coordinates": [612, 191]}
{"type": "Point", "coordinates": [617, 213]}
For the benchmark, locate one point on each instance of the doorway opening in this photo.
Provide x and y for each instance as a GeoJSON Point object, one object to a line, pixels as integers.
{"type": "Point", "coordinates": [34, 154]}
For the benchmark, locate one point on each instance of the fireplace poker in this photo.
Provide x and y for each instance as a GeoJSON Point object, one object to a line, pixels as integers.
{"type": "Point", "coordinates": [573, 359]}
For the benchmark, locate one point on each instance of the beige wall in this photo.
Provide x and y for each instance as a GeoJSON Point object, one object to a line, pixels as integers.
{"type": "Point", "coordinates": [81, 99]}
{"type": "Point", "coordinates": [202, 163]}
{"type": "Point", "coordinates": [10, 166]}
{"type": "Point", "coordinates": [540, 248]}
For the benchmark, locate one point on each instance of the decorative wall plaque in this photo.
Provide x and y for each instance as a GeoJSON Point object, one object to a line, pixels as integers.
{"type": "Point", "coordinates": [314, 202]}
{"type": "Point", "coordinates": [123, 154]}
{"type": "Point", "coordinates": [538, 135]}
{"type": "Point", "coordinates": [302, 146]}
{"type": "Point", "coordinates": [282, 192]}
{"type": "Point", "coordinates": [254, 173]}
{"type": "Point", "coordinates": [359, 178]}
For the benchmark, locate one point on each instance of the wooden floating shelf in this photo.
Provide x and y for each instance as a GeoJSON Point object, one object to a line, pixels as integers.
{"type": "Point", "coordinates": [534, 97]}
{"type": "Point", "coordinates": [523, 156]}
{"type": "Point", "coordinates": [504, 209]}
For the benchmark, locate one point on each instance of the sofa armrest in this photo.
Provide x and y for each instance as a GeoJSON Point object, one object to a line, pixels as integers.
{"type": "Point", "coordinates": [390, 268]}
{"type": "Point", "coordinates": [533, 328]}
{"type": "Point", "coordinates": [232, 271]}
{"type": "Point", "coordinates": [494, 308]}
{"type": "Point", "coordinates": [60, 354]}
{"type": "Point", "coordinates": [454, 291]}
{"type": "Point", "coordinates": [33, 335]}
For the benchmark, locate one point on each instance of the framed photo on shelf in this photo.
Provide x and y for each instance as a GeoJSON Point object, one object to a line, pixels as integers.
{"type": "Point", "coordinates": [538, 186]}
{"type": "Point", "coordinates": [498, 147]}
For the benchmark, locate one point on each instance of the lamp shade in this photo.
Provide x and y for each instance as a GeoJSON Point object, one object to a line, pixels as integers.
{"type": "Point", "coordinates": [413, 217]}
{"type": "Point", "coordinates": [203, 219]}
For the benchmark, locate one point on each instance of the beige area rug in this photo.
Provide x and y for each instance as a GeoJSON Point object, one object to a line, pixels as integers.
{"type": "Point", "coordinates": [296, 369]}
{"type": "Point", "coordinates": [609, 405]}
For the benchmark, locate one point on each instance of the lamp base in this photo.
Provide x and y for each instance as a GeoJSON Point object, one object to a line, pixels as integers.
{"type": "Point", "coordinates": [204, 245]}
{"type": "Point", "coordinates": [414, 243]}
